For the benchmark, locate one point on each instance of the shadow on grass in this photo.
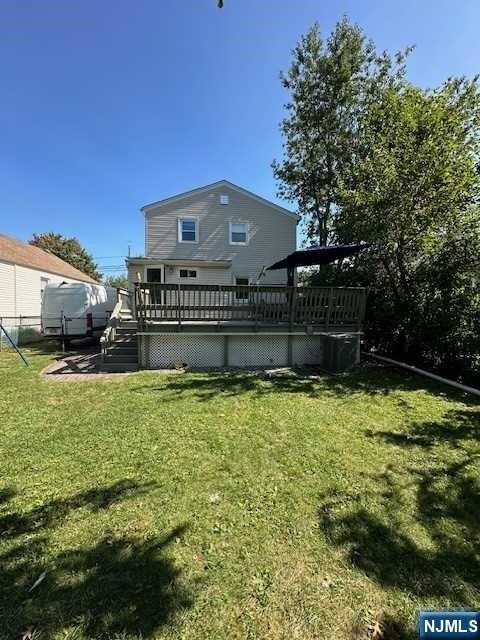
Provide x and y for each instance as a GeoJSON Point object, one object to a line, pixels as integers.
{"type": "Point", "coordinates": [51, 346]}
{"type": "Point", "coordinates": [119, 585]}
{"type": "Point", "coordinates": [454, 430]}
{"type": "Point", "coordinates": [417, 529]}
{"type": "Point", "coordinates": [364, 380]}
{"type": "Point", "coordinates": [394, 629]}
{"type": "Point", "coordinates": [53, 512]}
{"type": "Point", "coordinates": [390, 628]}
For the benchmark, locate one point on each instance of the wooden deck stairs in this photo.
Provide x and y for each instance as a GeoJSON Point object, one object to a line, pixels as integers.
{"type": "Point", "coordinates": [122, 353]}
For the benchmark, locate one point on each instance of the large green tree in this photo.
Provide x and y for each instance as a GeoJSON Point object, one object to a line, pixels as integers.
{"type": "Point", "coordinates": [412, 195]}
{"type": "Point", "coordinates": [377, 159]}
{"type": "Point", "coordinates": [327, 82]}
{"type": "Point", "coordinates": [68, 249]}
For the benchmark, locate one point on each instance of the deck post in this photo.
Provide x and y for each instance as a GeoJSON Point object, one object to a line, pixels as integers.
{"type": "Point", "coordinates": [225, 350]}
{"type": "Point", "coordinates": [146, 349]}
{"type": "Point", "coordinates": [361, 311]}
{"type": "Point", "coordinates": [140, 351]}
{"type": "Point", "coordinates": [329, 308]}
{"type": "Point", "coordinates": [292, 307]}
{"type": "Point", "coordinates": [179, 307]}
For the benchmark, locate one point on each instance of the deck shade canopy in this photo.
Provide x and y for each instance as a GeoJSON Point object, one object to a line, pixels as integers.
{"type": "Point", "coordinates": [316, 256]}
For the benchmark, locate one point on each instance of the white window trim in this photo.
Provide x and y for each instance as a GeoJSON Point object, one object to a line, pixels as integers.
{"type": "Point", "coordinates": [244, 244]}
{"type": "Point", "coordinates": [179, 229]}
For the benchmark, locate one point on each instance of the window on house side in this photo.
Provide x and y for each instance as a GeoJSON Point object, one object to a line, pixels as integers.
{"type": "Point", "coordinates": [187, 230]}
{"type": "Point", "coordinates": [238, 233]}
{"type": "Point", "coordinates": [43, 284]}
{"type": "Point", "coordinates": [188, 273]}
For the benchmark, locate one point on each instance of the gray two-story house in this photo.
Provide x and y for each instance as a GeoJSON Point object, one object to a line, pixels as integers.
{"type": "Point", "coordinates": [217, 234]}
{"type": "Point", "coordinates": [215, 240]}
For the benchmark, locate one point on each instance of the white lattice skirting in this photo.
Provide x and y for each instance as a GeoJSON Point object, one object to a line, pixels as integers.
{"type": "Point", "coordinates": [243, 351]}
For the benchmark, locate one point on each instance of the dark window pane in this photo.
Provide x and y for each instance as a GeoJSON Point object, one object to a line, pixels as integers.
{"type": "Point", "coordinates": [192, 274]}
{"type": "Point", "coordinates": [183, 273]}
{"type": "Point", "coordinates": [241, 294]}
{"type": "Point", "coordinates": [238, 232]}
{"type": "Point", "coordinates": [188, 236]}
{"type": "Point", "coordinates": [239, 236]}
{"type": "Point", "coordinates": [154, 275]}
{"type": "Point", "coordinates": [189, 231]}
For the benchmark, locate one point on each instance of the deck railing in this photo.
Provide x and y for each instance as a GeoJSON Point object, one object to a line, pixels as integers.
{"type": "Point", "coordinates": [328, 307]}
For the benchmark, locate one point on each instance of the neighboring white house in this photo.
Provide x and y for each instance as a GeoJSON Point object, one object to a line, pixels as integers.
{"type": "Point", "coordinates": [24, 272]}
{"type": "Point", "coordinates": [217, 234]}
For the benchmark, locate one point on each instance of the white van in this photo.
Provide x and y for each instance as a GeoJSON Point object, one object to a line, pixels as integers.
{"type": "Point", "coordinates": [76, 309]}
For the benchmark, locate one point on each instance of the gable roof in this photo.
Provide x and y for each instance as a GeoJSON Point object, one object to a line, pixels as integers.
{"type": "Point", "coordinates": [26, 255]}
{"type": "Point", "coordinates": [221, 183]}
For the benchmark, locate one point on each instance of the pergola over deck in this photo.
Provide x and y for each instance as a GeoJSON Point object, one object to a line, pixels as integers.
{"type": "Point", "coordinates": [316, 256]}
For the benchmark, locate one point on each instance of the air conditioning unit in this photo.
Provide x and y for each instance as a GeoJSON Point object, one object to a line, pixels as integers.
{"type": "Point", "coordinates": [341, 352]}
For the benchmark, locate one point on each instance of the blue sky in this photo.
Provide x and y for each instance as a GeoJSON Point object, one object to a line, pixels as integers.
{"type": "Point", "coordinates": [106, 106]}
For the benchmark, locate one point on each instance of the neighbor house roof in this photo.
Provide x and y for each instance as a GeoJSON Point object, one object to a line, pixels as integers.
{"type": "Point", "coordinates": [221, 183]}
{"type": "Point", "coordinates": [26, 255]}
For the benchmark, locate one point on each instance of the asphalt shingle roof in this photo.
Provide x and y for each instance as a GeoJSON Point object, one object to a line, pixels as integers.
{"type": "Point", "coordinates": [26, 255]}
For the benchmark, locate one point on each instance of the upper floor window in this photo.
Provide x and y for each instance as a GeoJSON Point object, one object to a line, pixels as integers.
{"type": "Point", "coordinates": [187, 230]}
{"type": "Point", "coordinates": [238, 233]}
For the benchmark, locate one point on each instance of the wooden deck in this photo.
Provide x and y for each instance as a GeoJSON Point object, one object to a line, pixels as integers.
{"type": "Point", "coordinates": [172, 307]}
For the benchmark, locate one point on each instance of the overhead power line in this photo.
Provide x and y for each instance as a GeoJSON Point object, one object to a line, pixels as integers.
{"type": "Point", "coordinates": [106, 257]}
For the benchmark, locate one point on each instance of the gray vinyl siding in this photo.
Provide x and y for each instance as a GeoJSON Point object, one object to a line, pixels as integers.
{"type": "Point", "coordinates": [272, 235]}
{"type": "Point", "coordinates": [205, 275]}
{"type": "Point", "coordinates": [132, 269]}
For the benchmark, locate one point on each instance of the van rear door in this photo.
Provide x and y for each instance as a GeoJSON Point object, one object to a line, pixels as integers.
{"type": "Point", "coordinates": [64, 309]}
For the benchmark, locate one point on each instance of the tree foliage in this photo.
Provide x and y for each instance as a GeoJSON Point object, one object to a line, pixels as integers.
{"type": "Point", "coordinates": [117, 282]}
{"type": "Point", "coordinates": [327, 82]}
{"type": "Point", "coordinates": [412, 195]}
{"type": "Point", "coordinates": [409, 185]}
{"type": "Point", "coordinates": [68, 249]}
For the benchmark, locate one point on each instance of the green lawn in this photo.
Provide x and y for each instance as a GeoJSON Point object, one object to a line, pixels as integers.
{"type": "Point", "coordinates": [234, 506]}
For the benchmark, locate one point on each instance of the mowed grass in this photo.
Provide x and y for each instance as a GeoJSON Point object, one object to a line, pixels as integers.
{"type": "Point", "coordinates": [234, 505]}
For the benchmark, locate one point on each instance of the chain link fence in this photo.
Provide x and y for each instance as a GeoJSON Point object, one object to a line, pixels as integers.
{"type": "Point", "coordinates": [28, 329]}
{"type": "Point", "coordinates": [21, 329]}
